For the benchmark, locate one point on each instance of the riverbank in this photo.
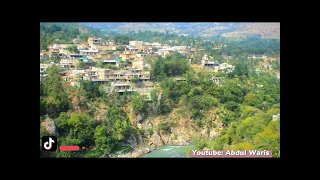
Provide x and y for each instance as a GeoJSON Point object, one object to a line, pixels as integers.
{"type": "Point", "coordinates": [171, 151]}
{"type": "Point", "coordinates": [167, 152]}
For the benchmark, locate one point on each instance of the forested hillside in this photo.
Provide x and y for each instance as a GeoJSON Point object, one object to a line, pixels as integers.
{"type": "Point", "coordinates": [63, 33]}
{"type": "Point", "coordinates": [244, 104]}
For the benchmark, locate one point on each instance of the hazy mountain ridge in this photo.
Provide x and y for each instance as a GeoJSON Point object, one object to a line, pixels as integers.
{"type": "Point", "coordinates": [266, 30]}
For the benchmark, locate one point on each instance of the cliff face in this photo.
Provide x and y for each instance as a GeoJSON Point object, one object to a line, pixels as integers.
{"type": "Point", "coordinates": [182, 129]}
{"type": "Point", "coordinates": [49, 125]}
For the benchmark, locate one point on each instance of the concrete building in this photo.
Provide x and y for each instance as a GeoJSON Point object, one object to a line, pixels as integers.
{"type": "Point", "coordinates": [156, 45]}
{"type": "Point", "coordinates": [138, 63]}
{"type": "Point", "coordinates": [136, 44]}
{"type": "Point", "coordinates": [101, 56]}
{"type": "Point", "coordinates": [223, 66]}
{"type": "Point", "coordinates": [43, 70]}
{"type": "Point", "coordinates": [141, 55]}
{"type": "Point", "coordinates": [66, 63]}
{"type": "Point", "coordinates": [98, 74]}
{"type": "Point", "coordinates": [63, 51]}
{"type": "Point", "coordinates": [78, 72]}
{"type": "Point", "coordinates": [53, 53]}
{"type": "Point", "coordinates": [61, 46]}
{"type": "Point", "coordinates": [122, 87]}
{"type": "Point", "coordinates": [218, 79]}
{"type": "Point", "coordinates": [127, 55]}
{"type": "Point", "coordinates": [179, 48]}
{"type": "Point", "coordinates": [165, 52]}
{"type": "Point", "coordinates": [93, 40]}
{"type": "Point", "coordinates": [92, 52]}
{"type": "Point", "coordinates": [44, 56]}
{"type": "Point", "coordinates": [209, 63]}
{"type": "Point", "coordinates": [44, 67]}
{"type": "Point", "coordinates": [112, 62]}
{"type": "Point", "coordinates": [104, 47]}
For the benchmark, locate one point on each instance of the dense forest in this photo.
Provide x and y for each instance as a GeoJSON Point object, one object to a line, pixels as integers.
{"type": "Point", "coordinates": [253, 46]}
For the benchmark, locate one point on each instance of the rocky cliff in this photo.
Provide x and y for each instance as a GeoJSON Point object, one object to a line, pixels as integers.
{"type": "Point", "coordinates": [182, 130]}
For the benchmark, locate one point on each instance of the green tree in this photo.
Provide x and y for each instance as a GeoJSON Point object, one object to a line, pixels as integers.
{"type": "Point", "coordinates": [90, 89]}
{"type": "Point", "coordinates": [99, 64]}
{"type": "Point", "coordinates": [103, 141]}
{"type": "Point", "coordinates": [82, 126]}
{"type": "Point", "coordinates": [269, 139]}
{"type": "Point", "coordinates": [120, 48]}
{"type": "Point", "coordinates": [84, 36]}
{"type": "Point", "coordinates": [57, 99]}
{"type": "Point", "coordinates": [252, 100]}
{"type": "Point", "coordinates": [135, 80]}
{"type": "Point", "coordinates": [42, 106]}
{"type": "Point", "coordinates": [139, 104]}
{"type": "Point", "coordinates": [232, 91]}
{"type": "Point", "coordinates": [81, 64]}
{"type": "Point", "coordinates": [154, 97]}
{"type": "Point", "coordinates": [62, 124]}
{"type": "Point", "coordinates": [72, 49]}
{"type": "Point", "coordinates": [112, 131]}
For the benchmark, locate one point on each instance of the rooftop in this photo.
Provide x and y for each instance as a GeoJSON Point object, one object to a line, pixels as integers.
{"type": "Point", "coordinates": [89, 50]}
{"type": "Point", "coordinates": [78, 71]}
{"type": "Point", "coordinates": [121, 85]}
{"type": "Point", "coordinates": [109, 60]}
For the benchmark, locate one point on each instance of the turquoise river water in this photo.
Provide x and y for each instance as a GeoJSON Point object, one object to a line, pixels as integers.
{"type": "Point", "coordinates": [167, 152]}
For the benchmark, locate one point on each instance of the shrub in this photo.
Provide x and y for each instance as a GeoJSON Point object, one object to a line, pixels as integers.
{"type": "Point", "coordinates": [151, 132]}
{"type": "Point", "coordinates": [164, 128]}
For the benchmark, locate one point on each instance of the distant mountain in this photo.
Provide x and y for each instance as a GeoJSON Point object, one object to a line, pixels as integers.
{"type": "Point", "coordinates": [266, 30]}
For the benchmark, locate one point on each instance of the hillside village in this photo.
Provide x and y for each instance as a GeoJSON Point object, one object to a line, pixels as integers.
{"type": "Point", "coordinates": [127, 70]}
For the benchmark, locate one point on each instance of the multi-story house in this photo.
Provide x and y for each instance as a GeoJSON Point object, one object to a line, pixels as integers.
{"type": "Point", "coordinates": [92, 52]}
{"type": "Point", "coordinates": [209, 63]}
{"type": "Point", "coordinates": [94, 40]}
{"type": "Point", "coordinates": [136, 44]}
{"type": "Point", "coordinates": [66, 63]}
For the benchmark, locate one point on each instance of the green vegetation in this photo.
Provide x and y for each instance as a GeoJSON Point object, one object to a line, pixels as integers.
{"type": "Point", "coordinates": [164, 128]}
{"type": "Point", "coordinates": [112, 131]}
{"type": "Point", "coordinates": [170, 66]}
{"type": "Point", "coordinates": [139, 104]}
{"type": "Point", "coordinates": [81, 64]}
{"type": "Point", "coordinates": [63, 33]}
{"type": "Point", "coordinates": [72, 49]}
{"type": "Point", "coordinates": [135, 80]}
{"type": "Point", "coordinates": [253, 46]}
{"type": "Point", "coordinates": [42, 60]}
{"type": "Point", "coordinates": [52, 96]}
{"type": "Point", "coordinates": [121, 39]}
{"type": "Point", "coordinates": [110, 66]}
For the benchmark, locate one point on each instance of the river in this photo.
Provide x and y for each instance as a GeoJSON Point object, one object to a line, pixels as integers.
{"type": "Point", "coordinates": [167, 152]}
